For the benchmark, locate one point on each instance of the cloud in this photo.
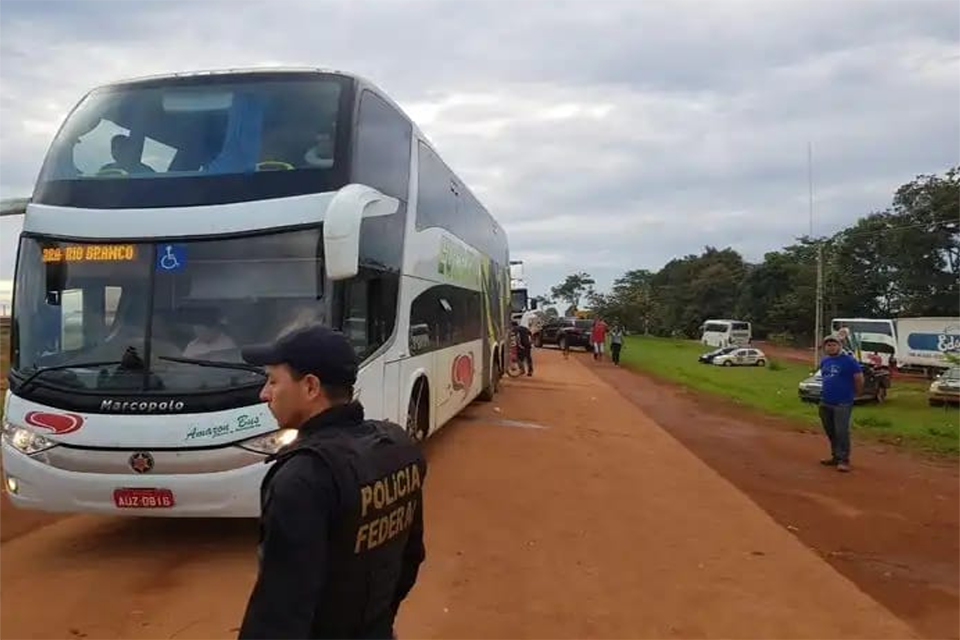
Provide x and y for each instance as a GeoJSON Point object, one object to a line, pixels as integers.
{"type": "Point", "coordinates": [605, 136]}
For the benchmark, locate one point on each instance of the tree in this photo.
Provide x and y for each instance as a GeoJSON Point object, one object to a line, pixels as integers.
{"type": "Point", "coordinates": [630, 303]}
{"type": "Point", "coordinates": [692, 289]}
{"type": "Point", "coordinates": [573, 289]}
{"type": "Point", "coordinates": [902, 261]}
{"type": "Point", "coordinates": [925, 232]}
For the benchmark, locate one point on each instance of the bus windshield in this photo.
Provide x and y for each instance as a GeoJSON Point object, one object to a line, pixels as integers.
{"type": "Point", "coordinates": [882, 327]}
{"type": "Point", "coordinates": [197, 140]}
{"type": "Point", "coordinates": [148, 305]}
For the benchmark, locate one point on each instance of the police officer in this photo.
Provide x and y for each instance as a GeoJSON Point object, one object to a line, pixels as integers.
{"type": "Point", "coordinates": [341, 525]}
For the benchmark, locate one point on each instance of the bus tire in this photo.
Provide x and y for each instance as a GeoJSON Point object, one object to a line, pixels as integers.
{"type": "Point", "coordinates": [493, 384]}
{"type": "Point", "coordinates": [418, 412]}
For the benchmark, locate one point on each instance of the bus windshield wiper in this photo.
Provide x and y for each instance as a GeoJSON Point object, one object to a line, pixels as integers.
{"type": "Point", "coordinates": [239, 366]}
{"type": "Point", "coordinates": [70, 365]}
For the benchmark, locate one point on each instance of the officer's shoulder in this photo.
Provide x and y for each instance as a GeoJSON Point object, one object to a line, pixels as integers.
{"type": "Point", "coordinates": [301, 467]}
{"type": "Point", "coordinates": [387, 426]}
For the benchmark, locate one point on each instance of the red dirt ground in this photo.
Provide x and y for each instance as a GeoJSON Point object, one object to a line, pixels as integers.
{"type": "Point", "coordinates": [583, 502]}
{"type": "Point", "coordinates": [891, 526]}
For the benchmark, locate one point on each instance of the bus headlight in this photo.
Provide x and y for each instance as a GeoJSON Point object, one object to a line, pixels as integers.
{"type": "Point", "coordinates": [270, 442]}
{"type": "Point", "coordinates": [24, 440]}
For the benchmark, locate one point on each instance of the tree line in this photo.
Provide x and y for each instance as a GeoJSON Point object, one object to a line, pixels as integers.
{"type": "Point", "coordinates": [900, 262]}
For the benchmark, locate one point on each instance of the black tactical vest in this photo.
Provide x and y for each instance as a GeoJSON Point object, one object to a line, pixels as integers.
{"type": "Point", "coordinates": [378, 473]}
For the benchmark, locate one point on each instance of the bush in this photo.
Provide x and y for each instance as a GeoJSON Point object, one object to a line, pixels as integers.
{"type": "Point", "coordinates": [775, 365]}
{"type": "Point", "coordinates": [874, 422]}
{"type": "Point", "coordinates": [935, 431]}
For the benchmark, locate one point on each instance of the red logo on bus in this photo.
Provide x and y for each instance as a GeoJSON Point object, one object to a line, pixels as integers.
{"type": "Point", "coordinates": [58, 423]}
{"type": "Point", "coordinates": [462, 373]}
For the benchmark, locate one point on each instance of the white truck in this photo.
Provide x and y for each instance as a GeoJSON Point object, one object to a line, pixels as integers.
{"type": "Point", "coordinates": [923, 343]}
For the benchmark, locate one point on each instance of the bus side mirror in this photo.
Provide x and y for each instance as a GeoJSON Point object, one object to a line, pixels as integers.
{"type": "Point", "coordinates": [341, 227]}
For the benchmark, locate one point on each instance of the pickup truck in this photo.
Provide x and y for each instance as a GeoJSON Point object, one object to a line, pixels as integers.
{"type": "Point", "coordinates": [876, 381]}
{"type": "Point", "coordinates": [576, 333]}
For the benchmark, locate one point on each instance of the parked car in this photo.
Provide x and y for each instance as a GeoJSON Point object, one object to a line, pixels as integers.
{"type": "Point", "coordinates": [742, 356]}
{"type": "Point", "coordinates": [573, 331]}
{"type": "Point", "coordinates": [876, 381]}
{"type": "Point", "coordinates": [945, 389]}
{"type": "Point", "coordinates": [707, 358]}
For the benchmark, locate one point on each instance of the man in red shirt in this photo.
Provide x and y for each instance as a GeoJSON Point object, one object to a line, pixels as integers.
{"type": "Point", "coordinates": [598, 336]}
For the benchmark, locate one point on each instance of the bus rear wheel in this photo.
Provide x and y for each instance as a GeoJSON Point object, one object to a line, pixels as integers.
{"type": "Point", "coordinates": [493, 385]}
{"type": "Point", "coordinates": [418, 412]}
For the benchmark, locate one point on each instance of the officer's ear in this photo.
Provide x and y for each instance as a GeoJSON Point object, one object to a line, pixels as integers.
{"type": "Point", "coordinates": [312, 384]}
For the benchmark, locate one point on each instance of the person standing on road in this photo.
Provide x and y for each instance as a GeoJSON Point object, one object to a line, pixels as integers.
{"type": "Point", "coordinates": [842, 380]}
{"type": "Point", "coordinates": [565, 346]}
{"type": "Point", "coordinates": [598, 337]}
{"type": "Point", "coordinates": [524, 347]}
{"type": "Point", "coordinates": [616, 343]}
{"type": "Point", "coordinates": [341, 524]}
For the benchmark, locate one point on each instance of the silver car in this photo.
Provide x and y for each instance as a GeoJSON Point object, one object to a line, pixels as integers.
{"type": "Point", "coordinates": [945, 389]}
{"type": "Point", "coordinates": [747, 356]}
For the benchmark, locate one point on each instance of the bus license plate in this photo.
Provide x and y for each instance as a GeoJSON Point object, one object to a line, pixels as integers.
{"type": "Point", "coordinates": [143, 498]}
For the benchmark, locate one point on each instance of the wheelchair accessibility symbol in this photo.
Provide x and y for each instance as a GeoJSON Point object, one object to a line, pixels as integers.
{"type": "Point", "coordinates": [171, 257]}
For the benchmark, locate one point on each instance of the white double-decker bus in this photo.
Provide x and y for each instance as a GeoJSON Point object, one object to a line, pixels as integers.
{"type": "Point", "coordinates": [178, 218]}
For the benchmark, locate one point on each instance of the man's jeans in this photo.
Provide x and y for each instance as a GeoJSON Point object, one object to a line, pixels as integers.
{"type": "Point", "coordinates": [836, 422]}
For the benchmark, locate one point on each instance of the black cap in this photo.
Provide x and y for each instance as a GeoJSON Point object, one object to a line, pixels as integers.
{"type": "Point", "coordinates": [313, 349]}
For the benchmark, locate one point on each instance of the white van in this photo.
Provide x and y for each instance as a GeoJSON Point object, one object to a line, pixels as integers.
{"type": "Point", "coordinates": [723, 333]}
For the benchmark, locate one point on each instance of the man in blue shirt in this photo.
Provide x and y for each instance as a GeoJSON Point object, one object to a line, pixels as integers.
{"type": "Point", "coordinates": [842, 379]}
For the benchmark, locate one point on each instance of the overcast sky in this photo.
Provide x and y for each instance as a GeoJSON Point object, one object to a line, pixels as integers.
{"type": "Point", "coordinates": [605, 136]}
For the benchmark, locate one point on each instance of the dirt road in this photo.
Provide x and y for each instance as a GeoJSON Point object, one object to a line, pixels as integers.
{"type": "Point", "coordinates": [560, 510]}
{"type": "Point", "coordinates": [891, 526]}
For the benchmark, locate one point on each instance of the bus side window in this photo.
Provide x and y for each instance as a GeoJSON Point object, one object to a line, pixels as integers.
{"type": "Point", "coordinates": [447, 322]}
{"type": "Point", "coordinates": [369, 309]}
{"type": "Point", "coordinates": [382, 156]}
{"type": "Point", "coordinates": [355, 315]}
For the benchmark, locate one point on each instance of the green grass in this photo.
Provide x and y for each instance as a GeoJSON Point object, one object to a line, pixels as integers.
{"type": "Point", "coordinates": [905, 417]}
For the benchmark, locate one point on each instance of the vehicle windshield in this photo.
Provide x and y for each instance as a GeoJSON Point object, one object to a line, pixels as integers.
{"type": "Point", "coordinates": [716, 327]}
{"type": "Point", "coordinates": [518, 300]}
{"type": "Point", "coordinates": [197, 140]}
{"type": "Point", "coordinates": [142, 303]}
{"type": "Point", "coordinates": [864, 326]}
{"type": "Point", "coordinates": [877, 347]}
{"type": "Point", "coordinates": [951, 374]}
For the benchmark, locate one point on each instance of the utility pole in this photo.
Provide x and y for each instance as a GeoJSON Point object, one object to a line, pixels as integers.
{"type": "Point", "coordinates": [818, 314]}
{"type": "Point", "coordinates": [816, 351]}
